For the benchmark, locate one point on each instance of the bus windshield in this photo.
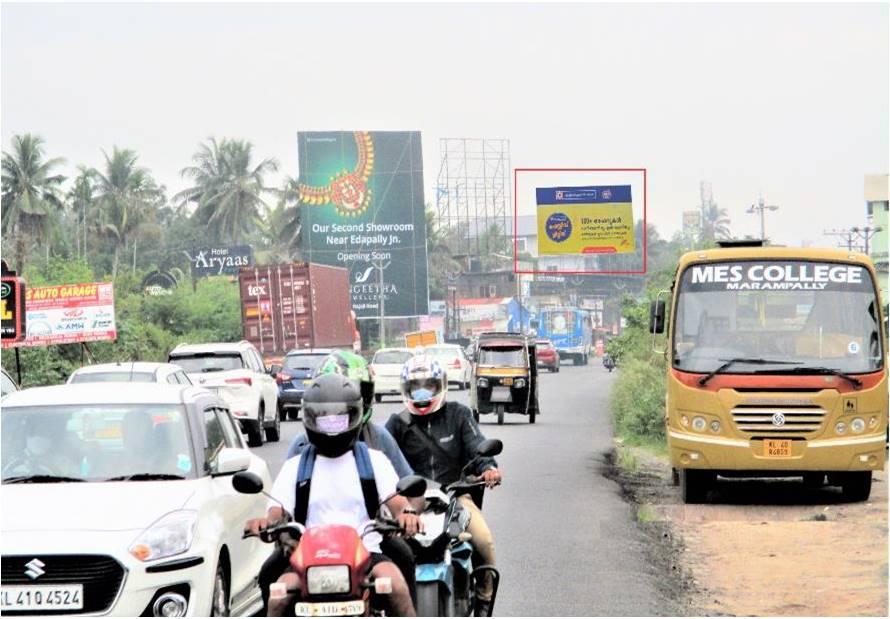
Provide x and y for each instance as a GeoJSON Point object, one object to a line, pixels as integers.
{"type": "Point", "coordinates": [809, 314]}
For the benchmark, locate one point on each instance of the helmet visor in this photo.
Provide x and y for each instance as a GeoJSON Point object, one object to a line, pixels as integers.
{"type": "Point", "coordinates": [332, 418]}
{"type": "Point", "coordinates": [423, 389]}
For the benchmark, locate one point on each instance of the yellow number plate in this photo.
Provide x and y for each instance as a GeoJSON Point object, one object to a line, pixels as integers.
{"type": "Point", "coordinates": [507, 381]}
{"type": "Point", "coordinates": [777, 448]}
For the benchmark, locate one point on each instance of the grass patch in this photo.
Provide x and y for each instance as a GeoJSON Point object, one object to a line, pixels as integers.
{"type": "Point", "coordinates": [645, 513]}
{"type": "Point", "coordinates": [627, 460]}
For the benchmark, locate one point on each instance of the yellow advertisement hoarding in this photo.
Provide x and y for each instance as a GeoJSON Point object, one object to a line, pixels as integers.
{"type": "Point", "coordinates": [585, 220]}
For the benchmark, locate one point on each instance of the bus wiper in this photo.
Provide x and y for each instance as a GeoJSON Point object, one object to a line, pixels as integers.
{"type": "Point", "coordinates": [728, 362]}
{"type": "Point", "coordinates": [39, 479]}
{"type": "Point", "coordinates": [807, 369]}
{"type": "Point", "coordinates": [145, 477]}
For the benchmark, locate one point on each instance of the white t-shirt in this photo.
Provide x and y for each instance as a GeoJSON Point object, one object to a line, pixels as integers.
{"type": "Point", "coordinates": [335, 496]}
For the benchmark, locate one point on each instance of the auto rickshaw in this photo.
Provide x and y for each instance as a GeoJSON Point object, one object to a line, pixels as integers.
{"type": "Point", "coordinates": [505, 376]}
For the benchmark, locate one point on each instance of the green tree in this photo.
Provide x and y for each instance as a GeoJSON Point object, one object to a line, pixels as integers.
{"type": "Point", "coordinates": [228, 189]}
{"type": "Point", "coordinates": [82, 200]}
{"type": "Point", "coordinates": [128, 200]}
{"type": "Point", "coordinates": [442, 265]}
{"type": "Point", "coordinates": [30, 193]}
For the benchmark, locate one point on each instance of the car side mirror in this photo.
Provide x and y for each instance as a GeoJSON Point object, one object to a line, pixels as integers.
{"type": "Point", "coordinates": [411, 487]}
{"type": "Point", "coordinates": [656, 316]}
{"type": "Point", "coordinates": [274, 369]}
{"type": "Point", "coordinates": [490, 447]}
{"type": "Point", "coordinates": [232, 460]}
{"type": "Point", "coordinates": [246, 482]}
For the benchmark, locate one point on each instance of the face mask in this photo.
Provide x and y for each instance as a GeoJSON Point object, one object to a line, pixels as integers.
{"type": "Point", "coordinates": [38, 445]}
{"type": "Point", "coordinates": [421, 395]}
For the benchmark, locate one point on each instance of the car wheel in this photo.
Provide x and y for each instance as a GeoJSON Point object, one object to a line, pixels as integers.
{"type": "Point", "coordinates": [256, 434]}
{"type": "Point", "coordinates": [378, 398]}
{"type": "Point", "coordinates": [293, 414]}
{"type": "Point", "coordinates": [273, 433]}
{"type": "Point", "coordinates": [282, 412]}
{"type": "Point", "coordinates": [219, 606]}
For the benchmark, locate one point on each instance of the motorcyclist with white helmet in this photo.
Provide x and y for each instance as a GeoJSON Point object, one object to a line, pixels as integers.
{"type": "Point", "coordinates": [438, 438]}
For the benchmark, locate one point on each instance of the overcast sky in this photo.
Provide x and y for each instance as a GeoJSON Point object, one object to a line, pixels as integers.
{"type": "Point", "coordinates": [791, 101]}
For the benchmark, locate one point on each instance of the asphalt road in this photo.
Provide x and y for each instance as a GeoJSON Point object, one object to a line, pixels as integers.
{"type": "Point", "coordinates": [566, 541]}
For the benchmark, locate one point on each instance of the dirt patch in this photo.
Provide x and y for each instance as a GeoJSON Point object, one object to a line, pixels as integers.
{"type": "Point", "coordinates": [643, 483]}
{"type": "Point", "coordinates": [761, 547]}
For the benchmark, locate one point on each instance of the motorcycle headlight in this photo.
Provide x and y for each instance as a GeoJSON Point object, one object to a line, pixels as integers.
{"type": "Point", "coordinates": [326, 579]}
{"type": "Point", "coordinates": [482, 382]}
{"type": "Point", "coordinates": [519, 383]}
{"type": "Point", "coordinates": [171, 534]}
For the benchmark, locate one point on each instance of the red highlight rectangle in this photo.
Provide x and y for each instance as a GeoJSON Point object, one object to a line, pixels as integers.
{"type": "Point", "coordinates": [516, 172]}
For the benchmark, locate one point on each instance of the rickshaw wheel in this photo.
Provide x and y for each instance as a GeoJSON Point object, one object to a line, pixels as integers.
{"type": "Point", "coordinates": [476, 415]}
{"type": "Point", "coordinates": [500, 416]}
{"type": "Point", "coordinates": [531, 415]}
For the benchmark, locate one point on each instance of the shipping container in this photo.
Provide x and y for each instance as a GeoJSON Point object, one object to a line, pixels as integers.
{"type": "Point", "coordinates": [296, 305]}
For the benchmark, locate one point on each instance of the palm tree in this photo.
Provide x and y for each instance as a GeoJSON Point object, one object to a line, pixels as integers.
{"type": "Point", "coordinates": [128, 200]}
{"type": "Point", "coordinates": [228, 188]}
{"type": "Point", "coordinates": [715, 222]}
{"type": "Point", "coordinates": [30, 193]}
{"type": "Point", "coordinates": [81, 197]}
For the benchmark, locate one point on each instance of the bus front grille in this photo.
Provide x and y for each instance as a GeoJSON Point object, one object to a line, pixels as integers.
{"type": "Point", "coordinates": [778, 421]}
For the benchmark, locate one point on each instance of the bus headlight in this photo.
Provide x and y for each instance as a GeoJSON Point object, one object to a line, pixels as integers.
{"type": "Point", "coordinates": [684, 420]}
{"type": "Point", "coordinates": [857, 425]}
{"type": "Point", "coordinates": [715, 426]}
{"type": "Point", "coordinates": [699, 424]}
{"type": "Point", "coordinates": [840, 427]}
{"type": "Point", "coordinates": [872, 422]}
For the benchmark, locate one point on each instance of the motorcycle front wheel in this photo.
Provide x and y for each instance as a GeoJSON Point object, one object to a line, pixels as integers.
{"type": "Point", "coordinates": [434, 600]}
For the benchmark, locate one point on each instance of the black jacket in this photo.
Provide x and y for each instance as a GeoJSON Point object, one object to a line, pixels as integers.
{"type": "Point", "coordinates": [453, 428]}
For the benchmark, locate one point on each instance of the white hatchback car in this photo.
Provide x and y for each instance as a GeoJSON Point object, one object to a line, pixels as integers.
{"type": "Point", "coordinates": [455, 363]}
{"type": "Point", "coordinates": [130, 372]}
{"type": "Point", "coordinates": [237, 373]}
{"type": "Point", "coordinates": [122, 504]}
{"type": "Point", "coordinates": [386, 368]}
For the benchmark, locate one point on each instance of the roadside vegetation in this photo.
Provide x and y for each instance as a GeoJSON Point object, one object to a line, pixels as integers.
{"type": "Point", "coordinates": [637, 397]}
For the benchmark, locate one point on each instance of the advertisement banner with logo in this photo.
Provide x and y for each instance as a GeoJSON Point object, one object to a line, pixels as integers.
{"type": "Point", "coordinates": [585, 220]}
{"type": "Point", "coordinates": [363, 209]}
{"type": "Point", "coordinates": [69, 314]}
{"type": "Point", "coordinates": [207, 261]}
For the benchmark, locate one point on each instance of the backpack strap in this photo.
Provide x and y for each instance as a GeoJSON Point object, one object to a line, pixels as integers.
{"type": "Point", "coordinates": [304, 483]}
{"type": "Point", "coordinates": [424, 438]}
{"type": "Point", "coordinates": [366, 477]}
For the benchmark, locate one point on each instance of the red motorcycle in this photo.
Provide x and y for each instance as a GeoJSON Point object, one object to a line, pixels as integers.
{"type": "Point", "coordinates": [331, 561]}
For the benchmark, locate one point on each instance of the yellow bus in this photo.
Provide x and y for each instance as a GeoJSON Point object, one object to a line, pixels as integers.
{"type": "Point", "coordinates": [776, 367]}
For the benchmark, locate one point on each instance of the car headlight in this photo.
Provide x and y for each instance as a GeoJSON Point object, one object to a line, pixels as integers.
{"type": "Point", "coordinates": [326, 579]}
{"type": "Point", "coordinates": [482, 382]}
{"type": "Point", "coordinates": [171, 534]}
{"type": "Point", "coordinates": [519, 383]}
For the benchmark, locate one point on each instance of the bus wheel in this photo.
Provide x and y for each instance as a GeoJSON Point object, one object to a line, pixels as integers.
{"type": "Point", "coordinates": [675, 477]}
{"type": "Point", "coordinates": [856, 486]}
{"type": "Point", "coordinates": [694, 485]}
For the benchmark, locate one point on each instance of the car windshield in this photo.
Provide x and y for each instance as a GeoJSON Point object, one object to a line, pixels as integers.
{"type": "Point", "coordinates": [113, 377]}
{"type": "Point", "coordinates": [392, 356]}
{"type": "Point", "coordinates": [304, 362]}
{"type": "Point", "coordinates": [809, 314]}
{"type": "Point", "coordinates": [208, 362]}
{"type": "Point", "coordinates": [542, 344]}
{"type": "Point", "coordinates": [95, 442]}
{"type": "Point", "coordinates": [502, 357]}
{"type": "Point", "coordinates": [444, 352]}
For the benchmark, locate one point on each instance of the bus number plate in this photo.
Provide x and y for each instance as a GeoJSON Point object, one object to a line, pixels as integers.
{"type": "Point", "coordinates": [777, 448]}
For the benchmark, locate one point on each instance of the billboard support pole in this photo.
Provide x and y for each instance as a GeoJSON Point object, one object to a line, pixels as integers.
{"type": "Point", "coordinates": [18, 366]}
{"type": "Point", "coordinates": [381, 300]}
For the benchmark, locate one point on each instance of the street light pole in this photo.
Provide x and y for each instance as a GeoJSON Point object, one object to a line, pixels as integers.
{"type": "Point", "coordinates": [761, 207]}
{"type": "Point", "coordinates": [381, 300]}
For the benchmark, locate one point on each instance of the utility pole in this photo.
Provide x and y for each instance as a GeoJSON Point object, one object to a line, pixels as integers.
{"type": "Point", "coordinates": [849, 235]}
{"type": "Point", "coordinates": [381, 299]}
{"type": "Point", "coordinates": [761, 207]}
